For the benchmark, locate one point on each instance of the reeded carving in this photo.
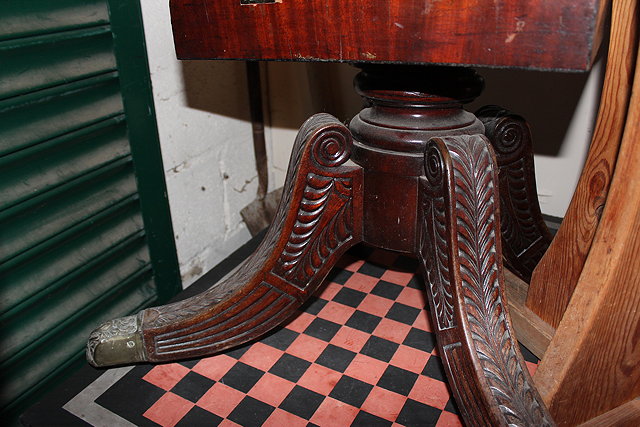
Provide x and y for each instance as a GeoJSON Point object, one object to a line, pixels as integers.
{"type": "Point", "coordinates": [524, 233]}
{"type": "Point", "coordinates": [433, 241]}
{"type": "Point", "coordinates": [475, 271]}
{"type": "Point", "coordinates": [314, 225]}
{"type": "Point", "coordinates": [323, 224]}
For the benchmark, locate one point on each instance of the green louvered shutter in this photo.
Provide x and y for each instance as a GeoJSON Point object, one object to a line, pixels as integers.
{"type": "Point", "coordinates": [85, 231]}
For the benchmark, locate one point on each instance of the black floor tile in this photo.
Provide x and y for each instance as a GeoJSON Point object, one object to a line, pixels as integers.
{"type": "Point", "coordinates": [528, 356]}
{"type": "Point", "coordinates": [339, 276]}
{"type": "Point", "coordinates": [322, 329]}
{"type": "Point", "coordinates": [372, 269]}
{"type": "Point", "coordinates": [335, 358]}
{"type": "Point", "coordinates": [237, 352]}
{"type": "Point", "coordinates": [280, 339]}
{"type": "Point", "coordinates": [363, 321]}
{"type": "Point", "coordinates": [242, 377]}
{"type": "Point", "coordinates": [452, 406]}
{"type": "Point", "coordinates": [199, 417]}
{"type": "Point", "coordinates": [418, 414]}
{"type": "Point", "coordinates": [379, 348]}
{"type": "Point", "coordinates": [397, 380]}
{"type": "Point", "coordinates": [290, 367]}
{"type": "Point", "coordinates": [192, 386]}
{"type": "Point", "coordinates": [302, 402]}
{"type": "Point", "coordinates": [350, 390]}
{"type": "Point", "coordinates": [131, 396]}
{"type": "Point", "coordinates": [349, 297]}
{"type": "Point", "coordinates": [313, 305]}
{"type": "Point", "coordinates": [422, 340]}
{"type": "Point", "coordinates": [403, 313]}
{"type": "Point", "coordinates": [365, 419]}
{"type": "Point", "coordinates": [387, 289]}
{"type": "Point", "coordinates": [251, 412]}
{"type": "Point", "coordinates": [434, 369]}
{"type": "Point", "coordinates": [417, 283]}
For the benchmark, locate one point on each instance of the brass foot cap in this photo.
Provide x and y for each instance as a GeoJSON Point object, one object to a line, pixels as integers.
{"type": "Point", "coordinates": [116, 342]}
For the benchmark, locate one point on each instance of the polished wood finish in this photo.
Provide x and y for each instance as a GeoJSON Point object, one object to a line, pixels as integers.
{"type": "Point", "coordinates": [557, 274]}
{"type": "Point", "coordinates": [542, 34]}
{"type": "Point", "coordinates": [525, 235]}
{"type": "Point", "coordinates": [425, 183]}
{"type": "Point", "coordinates": [591, 365]}
{"type": "Point", "coordinates": [461, 256]}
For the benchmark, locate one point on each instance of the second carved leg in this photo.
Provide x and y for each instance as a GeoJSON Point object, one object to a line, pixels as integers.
{"type": "Point", "coordinates": [319, 218]}
{"type": "Point", "coordinates": [460, 250]}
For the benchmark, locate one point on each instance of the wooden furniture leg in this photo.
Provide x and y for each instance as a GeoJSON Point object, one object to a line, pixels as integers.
{"type": "Point", "coordinates": [425, 184]}
{"type": "Point", "coordinates": [525, 236]}
{"type": "Point", "coordinates": [461, 253]}
{"type": "Point", "coordinates": [557, 274]}
{"type": "Point", "coordinates": [318, 219]}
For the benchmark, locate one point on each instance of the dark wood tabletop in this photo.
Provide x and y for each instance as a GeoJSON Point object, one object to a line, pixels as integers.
{"type": "Point", "coordinates": [538, 34]}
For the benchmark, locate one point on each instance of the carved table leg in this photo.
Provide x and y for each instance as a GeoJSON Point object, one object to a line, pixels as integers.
{"type": "Point", "coordinates": [460, 250]}
{"type": "Point", "coordinates": [319, 218]}
{"type": "Point", "coordinates": [525, 236]}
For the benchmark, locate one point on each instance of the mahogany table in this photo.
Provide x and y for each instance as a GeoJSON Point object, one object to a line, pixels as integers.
{"type": "Point", "coordinates": [414, 172]}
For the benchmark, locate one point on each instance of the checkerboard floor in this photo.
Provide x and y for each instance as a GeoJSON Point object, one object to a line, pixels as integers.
{"type": "Point", "coordinates": [360, 352]}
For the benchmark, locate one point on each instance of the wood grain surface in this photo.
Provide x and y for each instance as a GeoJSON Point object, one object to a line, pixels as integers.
{"type": "Point", "coordinates": [555, 277]}
{"type": "Point", "coordinates": [591, 365]}
{"type": "Point", "coordinates": [543, 34]}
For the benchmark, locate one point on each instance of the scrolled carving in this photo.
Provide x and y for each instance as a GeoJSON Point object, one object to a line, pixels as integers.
{"type": "Point", "coordinates": [468, 218]}
{"type": "Point", "coordinates": [524, 232]}
{"type": "Point", "coordinates": [332, 147]}
{"type": "Point", "coordinates": [433, 165]}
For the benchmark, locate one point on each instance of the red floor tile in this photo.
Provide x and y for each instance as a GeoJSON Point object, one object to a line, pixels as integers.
{"type": "Point", "coordinates": [166, 376]}
{"type": "Point", "coordinates": [361, 282]}
{"type": "Point", "coordinates": [409, 358]}
{"type": "Point", "coordinates": [220, 399]}
{"type": "Point", "coordinates": [307, 347]}
{"type": "Point", "coordinates": [447, 419]}
{"type": "Point", "coordinates": [280, 418]}
{"type": "Point", "coordinates": [392, 330]}
{"type": "Point", "coordinates": [351, 339]}
{"type": "Point", "coordinates": [338, 313]}
{"type": "Point", "coordinates": [261, 356]}
{"type": "Point", "coordinates": [375, 305]}
{"type": "Point", "coordinates": [413, 297]}
{"type": "Point", "coordinates": [366, 369]}
{"type": "Point", "coordinates": [300, 322]}
{"type": "Point", "coordinates": [215, 367]}
{"type": "Point", "coordinates": [319, 379]}
{"type": "Point", "coordinates": [398, 277]}
{"type": "Point", "coordinates": [423, 321]}
{"type": "Point", "coordinates": [334, 413]}
{"type": "Point", "coordinates": [430, 391]}
{"type": "Point", "coordinates": [168, 410]}
{"type": "Point", "coordinates": [328, 291]}
{"type": "Point", "coordinates": [384, 403]}
{"type": "Point", "coordinates": [271, 389]}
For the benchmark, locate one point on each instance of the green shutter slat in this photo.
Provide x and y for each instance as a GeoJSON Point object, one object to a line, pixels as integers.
{"type": "Point", "coordinates": [56, 355]}
{"type": "Point", "coordinates": [44, 61]}
{"type": "Point", "coordinates": [30, 119]}
{"type": "Point", "coordinates": [41, 218]}
{"type": "Point", "coordinates": [32, 326]}
{"type": "Point", "coordinates": [31, 171]}
{"type": "Point", "coordinates": [34, 277]}
{"type": "Point", "coordinates": [30, 17]}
